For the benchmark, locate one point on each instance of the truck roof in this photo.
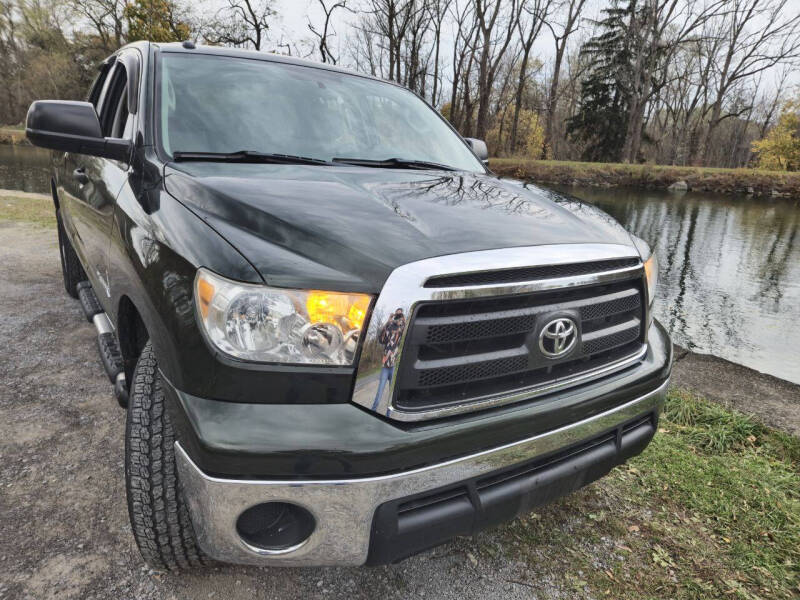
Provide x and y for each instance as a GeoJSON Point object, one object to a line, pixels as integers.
{"type": "Point", "coordinates": [255, 54]}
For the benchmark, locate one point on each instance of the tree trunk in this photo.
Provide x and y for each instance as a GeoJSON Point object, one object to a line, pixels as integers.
{"type": "Point", "coordinates": [700, 156]}
{"type": "Point", "coordinates": [518, 99]}
{"type": "Point", "coordinates": [551, 101]}
{"type": "Point", "coordinates": [482, 125]}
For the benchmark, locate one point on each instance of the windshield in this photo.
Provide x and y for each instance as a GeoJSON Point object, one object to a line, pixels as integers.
{"type": "Point", "coordinates": [225, 104]}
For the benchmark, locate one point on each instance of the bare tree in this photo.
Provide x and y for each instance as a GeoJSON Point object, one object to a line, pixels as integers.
{"type": "Point", "coordinates": [496, 29]}
{"type": "Point", "coordinates": [532, 16]}
{"type": "Point", "coordinates": [366, 53]}
{"type": "Point", "coordinates": [389, 19]}
{"type": "Point", "coordinates": [437, 10]}
{"type": "Point", "coordinates": [771, 99]}
{"type": "Point", "coordinates": [758, 35]}
{"type": "Point", "coordinates": [322, 35]}
{"type": "Point", "coordinates": [401, 40]}
{"type": "Point", "coordinates": [466, 27]}
{"type": "Point", "coordinates": [242, 23]}
{"type": "Point", "coordinates": [415, 52]}
{"type": "Point", "coordinates": [655, 33]}
{"type": "Point", "coordinates": [107, 19]}
{"type": "Point", "coordinates": [561, 34]}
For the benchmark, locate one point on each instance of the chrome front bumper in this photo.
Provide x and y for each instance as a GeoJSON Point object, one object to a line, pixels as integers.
{"type": "Point", "coordinates": [344, 509]}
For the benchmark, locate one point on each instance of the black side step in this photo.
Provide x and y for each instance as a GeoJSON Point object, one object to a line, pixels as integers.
{"type": "Point", "coordinates": [107, 344]}
{"type": "Point", "coordinates": [110, 354]}
{"type": "Point", "coordinates": [89, 302]}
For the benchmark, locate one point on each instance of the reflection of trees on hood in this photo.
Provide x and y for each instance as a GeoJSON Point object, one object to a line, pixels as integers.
{"type": "Point", "coordinates": [580, 208]}
{"type": "Point", "coordinates": [463, 190]}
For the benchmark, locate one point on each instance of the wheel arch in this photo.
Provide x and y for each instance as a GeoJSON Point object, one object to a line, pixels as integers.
{"type": "Point", "coordinates": [132, 334]}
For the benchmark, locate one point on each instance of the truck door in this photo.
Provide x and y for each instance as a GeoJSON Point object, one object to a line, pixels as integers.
{"type": "Point", "coordinates": [92, 183]}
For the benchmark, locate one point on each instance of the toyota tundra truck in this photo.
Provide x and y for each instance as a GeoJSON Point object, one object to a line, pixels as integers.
{"type": "Point", "coordinates": [339, 337]}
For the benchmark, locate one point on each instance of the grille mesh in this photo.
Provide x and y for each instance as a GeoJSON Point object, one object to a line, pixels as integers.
{"type": "Point", "coordinates": [483, 370]}
{"type": "Point", "coordinates": [439, 334]}
{"type": "Point", "coordinates": [612, 307]}
{"type": "Point", "coordinates": [611, 341]}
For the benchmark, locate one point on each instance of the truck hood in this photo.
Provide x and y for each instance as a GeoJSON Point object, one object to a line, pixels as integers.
{"type": "Point", "coordinates": [346, 228]}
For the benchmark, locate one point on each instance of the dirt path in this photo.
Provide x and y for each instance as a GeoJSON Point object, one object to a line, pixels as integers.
{"type": "Point", "coordinates": [771, 400]}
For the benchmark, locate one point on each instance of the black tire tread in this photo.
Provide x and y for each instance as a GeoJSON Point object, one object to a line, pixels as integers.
{"type": "Point", "coordinates": [71, 268]}
{"type": "Point", "coordinates": [158, 513]}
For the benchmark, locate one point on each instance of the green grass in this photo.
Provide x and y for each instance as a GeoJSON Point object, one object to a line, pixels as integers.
{"type": "Point", "coordinates": [30, 208]}
{"type": "Point", "coordinates": [710, 510]}
{"type": "Point", "coordinates": [631, 168]}
{"type": "Point", "coordinates": [712, 179]}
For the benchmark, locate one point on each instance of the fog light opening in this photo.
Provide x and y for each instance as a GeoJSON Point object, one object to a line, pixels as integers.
{"type": "Point", "coordinates": [275, 527]}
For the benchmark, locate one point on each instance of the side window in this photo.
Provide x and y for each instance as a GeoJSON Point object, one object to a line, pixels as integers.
{"type": "Point", "coordinates": [112, 95]}
{"type": "Point", "coordinates": [105, 90]}
{"type": "Point", "coordinates": [122, 124]}
{"type": "Point", "coordinates": [115, 118]}
{"type": "Point", "coordinates": [99, 83]}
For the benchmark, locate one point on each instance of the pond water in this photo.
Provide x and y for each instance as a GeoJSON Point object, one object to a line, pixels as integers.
{"type": "Point", "coordinates": [729, 280]}
{"type": "Point", "coordinates": [24, 168]}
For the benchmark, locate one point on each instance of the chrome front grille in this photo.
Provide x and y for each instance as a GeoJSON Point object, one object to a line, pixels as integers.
{"type": "Point", "coordinates": [459, 351]}
{"type": "Point", "coordinates": [459, 333]}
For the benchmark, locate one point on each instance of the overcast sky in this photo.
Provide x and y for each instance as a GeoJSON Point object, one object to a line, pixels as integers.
{"type": "Point", "coordinates": [291, 25]}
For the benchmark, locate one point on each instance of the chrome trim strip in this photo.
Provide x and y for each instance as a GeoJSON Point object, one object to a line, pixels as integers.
{"type": "Point", "coordinates": [344, 508]}
{"type": "Point", "coordinates": [405, 289]}
{"type": "Point", "coordinates": [268, 552]}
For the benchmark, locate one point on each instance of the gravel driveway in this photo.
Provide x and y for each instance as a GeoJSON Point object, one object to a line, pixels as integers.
{"type": "Point", "coordinates": [64, 529]}
{"type": "Point", "coordinates": [63, 519]}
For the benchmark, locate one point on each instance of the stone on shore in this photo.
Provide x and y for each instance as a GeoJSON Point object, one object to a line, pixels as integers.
{"type": "Point", "coordinates": [679, 186]}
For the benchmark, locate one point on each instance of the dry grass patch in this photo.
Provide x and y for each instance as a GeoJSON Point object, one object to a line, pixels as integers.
{"type": "Point", "coordinates": [31, 208]}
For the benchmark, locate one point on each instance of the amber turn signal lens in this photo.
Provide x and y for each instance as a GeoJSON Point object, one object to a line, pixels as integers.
{"type": "Point", "coordinates": [205, 293]}
{"type": "Point", "coordinates": [358, 311]}
{"type": "Point", "coordinates": [651, 273]}
{"type": "Point", "coordinates": [333, 307]}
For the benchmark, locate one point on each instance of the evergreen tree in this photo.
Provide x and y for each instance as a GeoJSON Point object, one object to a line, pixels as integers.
{"type": "Point", "coordinates": [602, 118]}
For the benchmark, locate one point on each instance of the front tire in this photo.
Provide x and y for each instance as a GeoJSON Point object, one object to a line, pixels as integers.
{"type": "Point", "coordinates": [158, 513]}
{"type": "Point", "coordinates": [71, 268]}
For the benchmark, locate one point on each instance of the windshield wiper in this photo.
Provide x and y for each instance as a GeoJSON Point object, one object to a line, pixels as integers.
{"type": "Point", "coordinates": [248, 156]}
{"type": "Point", "coordinates": [393, 163]}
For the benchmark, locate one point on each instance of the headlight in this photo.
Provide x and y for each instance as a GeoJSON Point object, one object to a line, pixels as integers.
{"type": "Point", "coordinates": [264, 324]}
{"type": "Point", "coordinates": [651, 272]}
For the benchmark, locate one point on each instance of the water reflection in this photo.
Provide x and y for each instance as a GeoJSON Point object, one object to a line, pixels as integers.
{"type": "Point", "coordinates": [24, 168]}
{"type": "Point", "coordinates": [730, 271]}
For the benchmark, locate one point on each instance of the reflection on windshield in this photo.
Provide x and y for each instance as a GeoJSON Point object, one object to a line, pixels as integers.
{"type": "Point", "coordinates": [225, 104]}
